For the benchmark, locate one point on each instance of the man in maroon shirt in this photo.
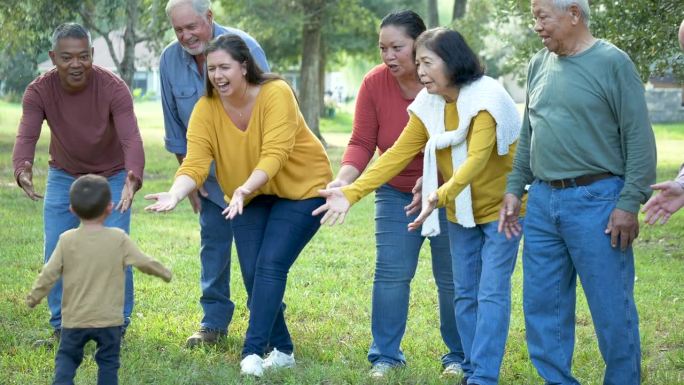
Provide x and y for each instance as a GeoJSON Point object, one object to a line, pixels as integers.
{"type": "Point", "coordinates": [93, 130]}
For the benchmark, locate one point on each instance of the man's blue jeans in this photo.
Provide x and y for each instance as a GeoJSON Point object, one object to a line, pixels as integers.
{"type": "Point", "coordinates": [70, 354]}
{"type": "Point", "coordinates": [57, 219]}
{"type": "Point", "coordinates": [395, 266]}
{"type": "Point", "coordinates": [483, 261]}
{"type": "Point", "coordinates": [216, 239]}
{"type": "Point", "coordinates": [565, 238]}
{"type": "Point", "coordinates": [269, 235]}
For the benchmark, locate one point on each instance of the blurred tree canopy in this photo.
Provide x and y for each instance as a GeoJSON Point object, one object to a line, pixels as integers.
{"type": "Point", "coordinates": [645, 29]}
{"type": "Point", "coordinates": [315, 35]}
{"type": "Point", "coordinates": [28, 25]}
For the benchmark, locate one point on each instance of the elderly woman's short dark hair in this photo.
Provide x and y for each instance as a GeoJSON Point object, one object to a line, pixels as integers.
{"type": "Point", "coordinates": [462, 65]}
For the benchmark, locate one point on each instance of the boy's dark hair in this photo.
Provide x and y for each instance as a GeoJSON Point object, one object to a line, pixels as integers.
{"type": "Point", "coordinates": [462, 65]}
{"type": "Point", "coordinates": [89, 196]}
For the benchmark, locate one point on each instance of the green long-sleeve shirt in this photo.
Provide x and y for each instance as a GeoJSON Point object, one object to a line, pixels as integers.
{"type": "Point", "coordinates": [586, 114]}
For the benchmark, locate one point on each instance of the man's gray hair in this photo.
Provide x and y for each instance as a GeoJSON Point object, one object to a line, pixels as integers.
{"type": "Point", "coordinates": [199, 6]}
{"type": "Point", "coordinates": [583, 5]}
{"type": "Point", "coordinates": [70, 30]}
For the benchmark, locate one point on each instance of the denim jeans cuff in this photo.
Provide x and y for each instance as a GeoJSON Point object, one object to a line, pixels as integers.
{"type": "Point", "coordinates": [214, 330]}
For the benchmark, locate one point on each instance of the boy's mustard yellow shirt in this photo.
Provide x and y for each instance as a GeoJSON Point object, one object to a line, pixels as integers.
{"type": "Point", "coordinates": [276, 141]}
{"type": "Point", "coordinates": [484, 170]}
{"type": "Point", "coordinates": [92, 263]}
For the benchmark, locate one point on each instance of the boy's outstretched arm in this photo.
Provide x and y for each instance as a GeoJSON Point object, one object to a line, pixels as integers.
{"type": "Point", "coordinates": [144, 263]}
{"type": "Point", "coordinates": [50, 273]}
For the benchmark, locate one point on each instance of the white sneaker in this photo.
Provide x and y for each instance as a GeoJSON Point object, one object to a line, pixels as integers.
{"type": "Point", "coordinates": [277, 359]}
{"type": "Point", "coordinates": [453, 369]}
{"type": "Point", "coordinates": [380, 370]}
{"type": "Point", "coordinates": [252, 365]}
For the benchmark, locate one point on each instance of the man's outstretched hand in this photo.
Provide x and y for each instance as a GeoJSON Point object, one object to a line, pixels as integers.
{"type": "Point", "coordinates": [26, 182]}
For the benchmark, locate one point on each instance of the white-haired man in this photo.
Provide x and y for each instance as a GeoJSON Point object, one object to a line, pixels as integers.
{"type": "Point", "coordinates": [182, 82]}
{"type": "Point", "coordinates": [587, 151]}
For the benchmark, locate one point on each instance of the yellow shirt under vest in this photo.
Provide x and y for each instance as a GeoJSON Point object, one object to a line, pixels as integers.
{"type": "Point", "coordinates": [276, 141]}
{"type": "Point", "coordinates": [483, 169]}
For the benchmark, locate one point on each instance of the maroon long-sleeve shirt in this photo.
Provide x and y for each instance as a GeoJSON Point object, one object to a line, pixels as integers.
{"type": "Point", "coordinates": [379, 119]}
{"type": "Point", "coordinates": [91, 131]}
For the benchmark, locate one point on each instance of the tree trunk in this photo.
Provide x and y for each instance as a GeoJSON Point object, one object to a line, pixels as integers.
{"type": "Point", "coordinates": [127, 65]}
{"type": "Point", "coordinates": [459, 9]}
{"type": "Point", "coordinates": [321, 80]}
{"type": "Point", "coordinates": [309, 73]}
{"type": "Point", "coordinates": [433, 14]}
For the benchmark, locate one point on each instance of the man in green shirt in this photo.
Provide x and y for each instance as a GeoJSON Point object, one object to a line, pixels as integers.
{"type": "Point", "coordinates": [587, 151]}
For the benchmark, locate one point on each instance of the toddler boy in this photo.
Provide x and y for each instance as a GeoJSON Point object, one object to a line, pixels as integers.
{"type": "Point", "coordinates": [91, 260]}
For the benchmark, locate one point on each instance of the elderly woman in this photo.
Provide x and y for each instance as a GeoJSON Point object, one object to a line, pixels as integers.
{"type": "Point", "coordinates": [468, 126]}
{"type": "Point", "coordinates": [380, 117]}
{"type": "Point", "coordinates": [270, 167]}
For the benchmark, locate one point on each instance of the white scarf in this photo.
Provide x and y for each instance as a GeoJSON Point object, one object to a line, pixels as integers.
{"type": "Point", "coordinates": [483, 94]}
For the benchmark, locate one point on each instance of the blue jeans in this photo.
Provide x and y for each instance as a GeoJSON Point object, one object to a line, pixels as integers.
{"type": "Point", "coordinates": [216, 239]}
{"type": "Point", "coordinates": [397, 258]}
{"type": "Point", "coordinates": [483, 261]}
{"type": "Point", "coordinates": [269, 235]}
{"type": "Point", "coordinates": [564, 238]}
{"type": "Point", "coordinates": [57, 219]}
{"type": "Point", "coordinates": [70, 354]}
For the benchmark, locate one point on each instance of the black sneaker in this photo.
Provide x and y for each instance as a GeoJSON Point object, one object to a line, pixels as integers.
{"type": "Point", "coordinates": [51, 341]}
{"type": "Point", "coordinates": [205, 336]}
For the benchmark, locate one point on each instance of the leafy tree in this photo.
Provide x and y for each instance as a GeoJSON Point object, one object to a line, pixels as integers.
{"type": "Point", "coordinates": [459, 9]}
{"type": "Point", "coordinates": [644, 29]}
{"type": "Point", "coordinates": [432, 14]}
{"type": "Point", "coordinates": [314, 35]}
{"type": "Point", "coordinates": [27, 27]}
{"type": "Point", "coordinates": [136, 20]}
{"type": "Point", "coordinates": [17, 72]}
{"type": "Point", "coordinates": [482, 33]}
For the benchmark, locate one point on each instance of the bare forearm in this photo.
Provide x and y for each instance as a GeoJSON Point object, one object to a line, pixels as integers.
{"type": "Point", "coordinates": [257, 179]}
{"type": "Point", "coordinates": [348, 174]}
{"type": "Point", "coordinates": [182, 186]}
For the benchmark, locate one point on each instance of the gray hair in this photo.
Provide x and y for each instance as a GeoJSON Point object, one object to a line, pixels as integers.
{"type": "Point", "coordinates": [583, 5]}
{"type": "Point", "coordinates": [199, 6]}
{"type": "Point", "coordinates": [70, 30]}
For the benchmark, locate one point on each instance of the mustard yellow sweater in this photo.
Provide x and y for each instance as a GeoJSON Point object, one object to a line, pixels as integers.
{"type": "Point", "coordinates": [276, 141]}
{"type": "Point", "coordinates": [484, 169]}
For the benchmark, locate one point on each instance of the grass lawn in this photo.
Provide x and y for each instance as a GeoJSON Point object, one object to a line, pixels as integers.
{"type": "Point", "coordinates": [328, 295]}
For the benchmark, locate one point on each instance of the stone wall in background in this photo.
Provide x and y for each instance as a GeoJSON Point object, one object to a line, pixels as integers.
{"type": "Point", "coordinates": [665, 105]}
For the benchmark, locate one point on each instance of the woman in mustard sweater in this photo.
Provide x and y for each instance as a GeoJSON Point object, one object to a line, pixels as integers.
{"type": "Point", "coordinates": [270, 166]}
{"type": "Point", "coordinates": [468, 126]}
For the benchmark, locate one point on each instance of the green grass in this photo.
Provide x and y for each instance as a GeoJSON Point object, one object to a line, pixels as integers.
{"type": "Point", "coordinates": [328, 295]}
{"type": "Point", "coordinates": [341, 122]}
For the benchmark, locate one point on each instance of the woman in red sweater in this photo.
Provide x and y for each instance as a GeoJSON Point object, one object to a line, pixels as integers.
{"type": "Point", "coordinates": [379, 119]}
